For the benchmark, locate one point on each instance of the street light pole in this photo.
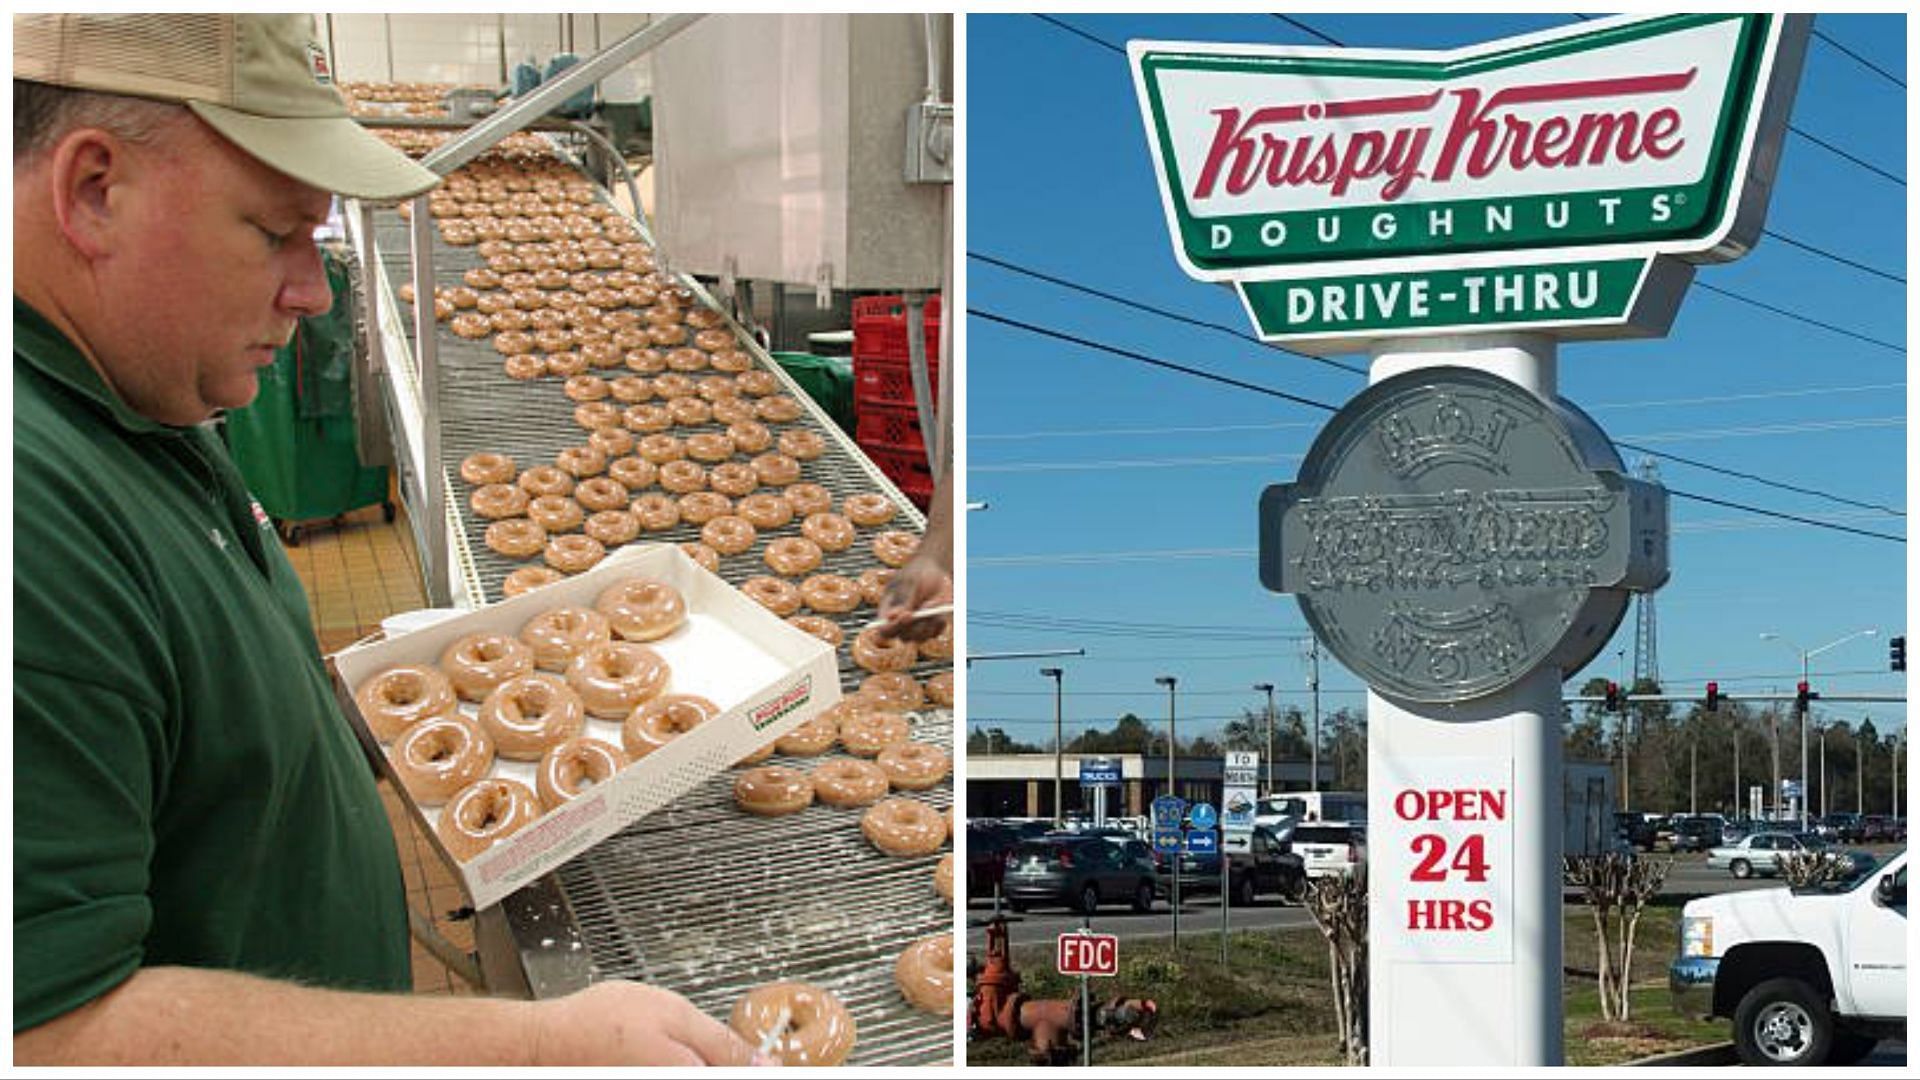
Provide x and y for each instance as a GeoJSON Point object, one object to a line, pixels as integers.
{"type": "Point", "coordinates": [1054, 673]}
{"type": "Point", "coordinates": [1169, 681]}
{"type": "Point", "coordinates": [1806, 656]}
{"type": "Point", "coordinates": [1268, 687]}
{"type": "Point", "coordinates": [1313, 683]}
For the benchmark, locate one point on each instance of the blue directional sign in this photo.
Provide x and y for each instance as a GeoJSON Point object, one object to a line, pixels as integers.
{"type": "Point", "coordinates": [1166, 841]}
{"type": "Point", "coordinates": [1203, 841]}
{"type": "Point", "coordinates": [1203, 816]}
{"type": "Point", "coordinates": [1168, 810]}
{"type": "Point", "coordinates": [1099, 772]}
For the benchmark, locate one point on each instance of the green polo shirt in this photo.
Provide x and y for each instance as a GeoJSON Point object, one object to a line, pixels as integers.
{"type": "Point", "coordinates": [185, 789]}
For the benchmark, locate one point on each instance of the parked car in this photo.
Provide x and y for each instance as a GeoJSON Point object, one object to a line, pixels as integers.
{"type": "Point", "coordinates": [1696, 832]}
{"type": "Point", "coordinates": [1330, 847]}
{"type": "Point", "coordinates": [988, 842]}
{"type": "Point", "coordinates": [1881, 829]}
{"type": "Point", "coordinates": [1636, 828]}
{"type": "Point", "coordinates": [1839, 828]}
{"type": "Point", "coordinates": [1079, 871]}
{"type": "Point", "coordinates": [1761, 852]}
{"type": "Point", "coordinates": [1268, 869]}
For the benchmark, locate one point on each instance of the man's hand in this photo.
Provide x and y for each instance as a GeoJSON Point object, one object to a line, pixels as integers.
{"type": "Point", "coordinates": [626, 1023]}
{"type": "Point", "coordinates": [920, 583]}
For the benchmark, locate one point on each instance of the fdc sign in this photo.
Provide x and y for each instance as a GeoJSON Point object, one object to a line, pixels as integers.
{"type": "Point", "coordinates": [1088, 954]}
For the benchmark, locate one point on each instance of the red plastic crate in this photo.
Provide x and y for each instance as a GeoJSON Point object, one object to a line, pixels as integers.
{"type": "Point", "coordinates": [880, 328]}
{"type": "Point", "coordinates": [894, 426]}
{"type": "Point", "coordinates": [889, 382]}
{"type": "Point", "coordinates": [908, 469]}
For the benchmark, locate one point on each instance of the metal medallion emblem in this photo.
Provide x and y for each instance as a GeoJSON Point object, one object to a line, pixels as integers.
{"type": "Point", "coordinates": [1451, 532]}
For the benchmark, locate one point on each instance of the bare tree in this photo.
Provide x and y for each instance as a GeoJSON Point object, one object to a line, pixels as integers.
{"type": "Point", "coordinates": [1338, 904]}
{"type": "Point", "coordinates": [1804, 868]}
{"type": "Point", "coordinates": [1617, 888]}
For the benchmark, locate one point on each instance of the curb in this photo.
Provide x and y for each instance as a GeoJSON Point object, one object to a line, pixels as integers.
{"type": "Point", "coordinates": [1713, 1054]}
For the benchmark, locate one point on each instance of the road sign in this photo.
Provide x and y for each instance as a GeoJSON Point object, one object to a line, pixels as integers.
{"type": "Point", "coordinates": [1242, 768]}
{"type": "Point", "coordinates": [1237, 800]}
{"type": "Point", "coordinates": [1167, 811]}
{"type": "Point", "coordinates": [1203, 841]}
{"type": "Point", "coordinates": [1237, 841]}
{"type": "Point", "coordinates": [1203, 816]}
{"type": "Point", "coordinates": [1081, 953]}
{"type": "Point", "coordinates": [1099, 772]}
{"type": "Point", "coordinates": [1166, 841]}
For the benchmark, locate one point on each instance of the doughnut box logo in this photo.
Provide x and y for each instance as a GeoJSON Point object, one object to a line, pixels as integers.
{"type": "Point", "coordinates": [764, 714]}
{"type": "Point", "coordinates": [1541, 180]}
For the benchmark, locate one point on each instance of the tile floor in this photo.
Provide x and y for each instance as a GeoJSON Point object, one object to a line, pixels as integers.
{"type": "Point", "coordinates": [357, 572]}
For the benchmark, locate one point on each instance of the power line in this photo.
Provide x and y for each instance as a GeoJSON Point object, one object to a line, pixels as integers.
{"type": "Point", "coordinates": [1077, 32]}
{"type": "Point", "coordinates": [1787, 517]}
{"type": "Point", "coordinates": [1797, 317]}
{"type": "Point", "coordinates": [1760, 479]}
{"type": "Point", "coordinates": [1899, 279]}
{"type": "Point", "coordinates": [1861, 60]}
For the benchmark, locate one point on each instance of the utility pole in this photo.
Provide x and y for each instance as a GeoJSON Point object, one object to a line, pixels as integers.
{"type": "Point", "coordinates": [1807, 655]}
{"type": "Point", "coordinates": [1313, 684]}
{"type": "Point", "coordinates": [1268, 687]}
{"type": "Point", "coordinates": [1737, 793]}
{"type": "Point", "coordinates": [1860, 768]}
{"type": "Point", "coordinates": [1822, 732]}
{"type": "Point", "coordinates": [1059, 808]}
{"type": "Point", "coordinates": [1170, 681]}
{"type": "Point", "coordinates": [1626, 736]}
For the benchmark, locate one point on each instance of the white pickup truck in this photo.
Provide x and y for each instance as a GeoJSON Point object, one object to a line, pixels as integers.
{"type": "Point", "coordinates": [1808, 976]}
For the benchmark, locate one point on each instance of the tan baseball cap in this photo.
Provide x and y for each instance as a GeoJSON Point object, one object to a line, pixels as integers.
{"type": "Point", "coordinates": [260, 80]}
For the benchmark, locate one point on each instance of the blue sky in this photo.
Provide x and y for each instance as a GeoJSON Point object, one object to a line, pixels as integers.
{"type": "Point", "coordinates": [1122, 497]}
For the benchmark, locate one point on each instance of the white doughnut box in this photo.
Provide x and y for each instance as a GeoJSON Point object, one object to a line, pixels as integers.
{"type": "Point", "coordinates": [767, 677]}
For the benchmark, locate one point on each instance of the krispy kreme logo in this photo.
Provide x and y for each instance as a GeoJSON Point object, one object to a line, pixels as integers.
{"type": "Point", "coordinates": [1636, 131]}
{"type": "Point", "coordinates": [790, 699]}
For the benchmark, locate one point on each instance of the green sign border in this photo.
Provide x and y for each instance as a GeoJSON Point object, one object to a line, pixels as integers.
{"type": "Point", "coordinates": [1708, 202]}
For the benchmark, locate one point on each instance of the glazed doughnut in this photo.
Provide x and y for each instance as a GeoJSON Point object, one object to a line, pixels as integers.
{"type": "Point", "coordinates": [667, 335]}
{"type": "Point", "coordinates": [792, 556]}
{"type": "Point", "coordinates": [733, 478]}
{"type": "Point", "coordinates": [512, 342]}
{"type": "Point", "coordinates": [819, 1031]}
{"type": "Point", "coordinates": [647, 419]}
{"type": "Point", "coordinates": [810, 738]}
{"type": "Point", "coordinates": [940, 645]}
{"type": "Point", "coordinates": [462, 297]}
{"type": "Point", "coordinates": [700, 507]}
{"type": "Point", "coordinates": [758, 383]}
{"type": "Point", "coordinates": [496, 501]}
{"type": "Point", "coordinates": [584, 461]}
{"type": "Point", "coordinates": [674, 386]}
{"type": "Point", "coordinates": [738, 410]}
{"type": "Point", "coordinates": [849, 782]}
{"type": "Point", "coordinates": [656, 512]}
{"type": "Point", "coordinates": [825, 629]}
{"type": "Point", "coordinates": [659, 448]}
{"type": "Point", "coordinates": [913, 766]}
{"type": "Point", "coordinates": [586, 388]}
{"type": "Point", "coordinates": [660, 721]}
{"type": "Point", "coordinates": [894, 690]}
{"type": "Point", "coordinates": [685, 359]}
{"type": "Point", "coordinates": [616, 678]}
{"type": "Point", "coordinates": [939, 689]}
{"type": "Point", "coordinates": [709, 446]}
{"type": "Point", "coordinates": [482, 814]}
{"type": "Point", "coordinates": [681, 477]}
{"type": "Point", "coordinates": [704, 318]}
{"type": "Point", "coordinates": [766, 510]}
{"type": "Point", "coordinates": [507, 319]}
{"type": "Point", "coordinates": [401, 697]}
{"type": "Point", "coordinates": [525, 367]}
{"type": "Point", "coordinates": [471, 326]}
{"type": "Point", "coordinates": [592, 415]}
{"type": "Point", "coordinates": [633, 473]}
{"type": "Point", "coordinates": [866, 733]}
{"type": "Point", "coordinates": [707, 558]}
{"type": "Point", "coordinates": [711, 340]}
{"type": "Point", "coordinates": [528, 715]}
{"type": "Point", "coordinates": [664, 313]}
{"type": "Point", "coordinates": [733, 360]}
{"type": "Point", "coordinates": [831, 531]}
{"type": "Point", "coordinates": [873, 583]}
{"type": "Point", "coordinates": [875, 652]}
{"type": "Point", "coordinates": [612, 527]}
{"type": "Point", "coordinates": [528, 578]}
{"type": "Point", "coordinates": [925, 970]}
{"type": "Point", "coordinates": [595, 349]}
{"type": "Point", "coordinates": [872, 508]}
{"type": "Point", "coordinates": [831, 593]}
{"type": "Point", "coordinates": [728, 534]}
{"type": "Point", "coordinates": [613, 441]}
{"type": "Point", "coordinates": [642, 609]}
{"type": "Point", "coordinates": [894, 547]}
{"type": "Point", "coordinates": [477, 663]}
{"type": "Point", "coordinates": [777, 409]}
{"type": "Point", "coordinates": [776, 470]}
{"type": "Point", "coordinates": [557, 636]}
{"type": "Point", "coordinates": [516, 538]}
{"type": "Point", "coordinates": [772, 790]}
{"type": "Point", "coordinates": [802, 444]}
{"type": "Point", "coordinates": [647, 361]}
{"type": "Point", "coordinates": [902, 826]}
{"type": "Point", "coordinates": [756, 757]}
{"type": "Point", "coordinates": [482, 469]}
{"type": "Point", "coordinates": [631, 389]}
{"type": "Point", "coordinates": [573, 766]}
{"type": "Point", "coordinates": [775, 594]}
{"type": "Point", "coordinates": [440, 755]}
{"type": "Point", "coordinates": [574, 553]}
{"type": "Point", "coordinates": [551, 278]}
{"type": "Point", "coordinates": [555, 513]}
{"type": "Point", "coordinates": [566, 364]}
{"type": "Point", "coordinates": [718, 388]}
{"type": "Point", "coordinates": [546, 480]}
{"type": "Point", "coordinates": [808, 500]}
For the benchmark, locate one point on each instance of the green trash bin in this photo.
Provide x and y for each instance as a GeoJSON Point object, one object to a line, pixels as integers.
{"type": "Point", "coordinates": [828, 380]}
{"type": "Point", "coordinates": [296, 443]}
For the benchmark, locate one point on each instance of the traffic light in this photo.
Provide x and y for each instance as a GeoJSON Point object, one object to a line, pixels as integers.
{"type": "Point", "coordinates": [1713, 697]}
{"type": "Point", "coordinates": [1613, 697]}
{"type": "Point", "coordinates": [1800, 699]}
{"type": "Point", "coordinates": [1897, 653]}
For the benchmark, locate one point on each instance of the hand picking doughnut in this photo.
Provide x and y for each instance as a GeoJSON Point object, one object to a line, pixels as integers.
{"type": "Point", "coordinates": [484, 813]}
{"type": "Point", "coordinates": [893, 690]}
{"type": "Point", "coordinates": [791, 556]}
{"type": "Point", "coordinates": [400, 697]}
{"type": "Point", "coordinates": [902, 826]}
{"type": "Point", "coordinates": [775, 594]}
{"type": "Point", "coordinates": [939, 689]}
{"type": "Point", "coordinates": [660, 721]}
{"type": "Point", "coordinates": [943, 872]}
{"type": "Point", "coordinates": [830, 593]}
{"type": "Point", "coordinates": [477, 663]}
{"type": "Point", "coordinates": [831, 531]}
{"type": "Point", "coordinates": [528, 578]}
{"type": "Point", "coordinates": [482, 469]}
{"type": "Point", "coordinates": [871, 508]}
{"type": "Point", "coordinates": [825, 629]}
{"type": "Point", "coordinates": [772, 790]}
{"type": "Point", "coordinates": [925, 974]}
{"type": "Point", "coordinates": [573, 766]}
{"type": "Point", "coordinates": [728, 534]}
{"type": "Point", "coordinates": [440, 755]}
{"type": "Point", "coordinates": [873, 582]}
{"type": "Point", "coordinates": [642, 609]}
{"type": "Point", "coordinates": [895, 547]}
{"type": "Point", "coordinates": [940, 645]}
{"type": "Point", "coordinates": [820, 1031]}
{"type": "Point", "coordinates": [810, 738]}
{"type": "Point", "coordinates": [528, 715]}
{"type": "Point", "coordinates": [913, 766]}
{"type": "Point", "coordinates": [866, 734]}
{"type": "Point", "coordinates": [557, 636]}
{"type": "Point", "coordinates": [616, 678]}
{"type": "Point", "coordinates": [875, 652]}
{"type": "Point", "coordinates": [849, 782]}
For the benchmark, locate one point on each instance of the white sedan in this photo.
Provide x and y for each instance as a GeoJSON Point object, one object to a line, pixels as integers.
{"type": "Point", "coordinates": [1761, 853]}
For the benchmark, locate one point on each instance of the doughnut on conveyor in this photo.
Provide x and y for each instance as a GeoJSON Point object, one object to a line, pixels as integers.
{"type": "Point", "coordinates": [701, 898]}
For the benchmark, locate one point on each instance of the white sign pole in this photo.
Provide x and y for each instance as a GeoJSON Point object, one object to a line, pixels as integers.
{"type": "Point", "coordinates": [1465, 971]}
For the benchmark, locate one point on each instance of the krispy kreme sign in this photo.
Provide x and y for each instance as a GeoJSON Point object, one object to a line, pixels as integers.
{"type": "Point", "coordinates": [1572, 157]}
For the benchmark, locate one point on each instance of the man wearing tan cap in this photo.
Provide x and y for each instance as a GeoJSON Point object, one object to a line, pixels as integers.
{"type": "Point", "coordinates": [203, 871]}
